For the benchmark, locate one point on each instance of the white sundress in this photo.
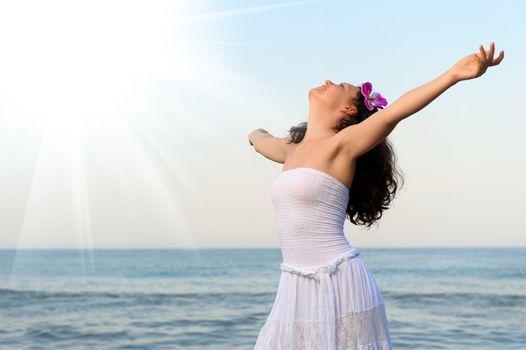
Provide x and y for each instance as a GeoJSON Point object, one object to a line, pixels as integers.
{"type": "Point", "coordinates": [327, 299]}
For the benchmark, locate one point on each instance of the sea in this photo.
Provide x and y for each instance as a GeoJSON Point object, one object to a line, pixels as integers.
{"type": "Point", "coordinates": [435, 298]}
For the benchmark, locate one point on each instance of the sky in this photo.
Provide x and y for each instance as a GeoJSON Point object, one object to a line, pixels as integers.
{"type": "Point", "coordinates": [124, 124]}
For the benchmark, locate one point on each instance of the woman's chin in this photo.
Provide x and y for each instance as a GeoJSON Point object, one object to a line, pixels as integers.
{"type": "Point", "coordinates": [315, 91]}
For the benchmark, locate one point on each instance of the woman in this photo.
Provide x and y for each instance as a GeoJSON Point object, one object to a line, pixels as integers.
{"type": "Point", "coordinates": [338, 164]}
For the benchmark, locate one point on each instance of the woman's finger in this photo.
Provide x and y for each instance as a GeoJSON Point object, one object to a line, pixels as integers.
{"type": "Point", "coordinates": [491, 51]}
{"type": "Point", "coordinates": [498, 59]}
{"type": "Point", "coordinates": [482, 53]}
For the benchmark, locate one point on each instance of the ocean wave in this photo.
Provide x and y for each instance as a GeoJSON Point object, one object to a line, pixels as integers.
{"type": "Point", "coordinates": [491, 299]}
{"type": "Point", "coordinates": [39, 294]}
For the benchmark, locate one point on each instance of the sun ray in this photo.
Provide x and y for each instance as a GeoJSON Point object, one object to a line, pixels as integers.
{"type": "Point", "coordinates": [207, 16]}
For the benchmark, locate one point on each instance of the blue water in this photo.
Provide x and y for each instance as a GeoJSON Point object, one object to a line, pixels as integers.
{"type": "Point", "coordinates": [446, 298]}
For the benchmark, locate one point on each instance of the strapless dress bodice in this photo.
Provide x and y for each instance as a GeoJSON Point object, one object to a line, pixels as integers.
{"type": "Point", "coordinates": [310, 207]}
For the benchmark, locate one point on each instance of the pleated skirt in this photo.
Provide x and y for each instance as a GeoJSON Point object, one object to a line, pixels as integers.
{"type": "Point", "coordinates": [336, 306]}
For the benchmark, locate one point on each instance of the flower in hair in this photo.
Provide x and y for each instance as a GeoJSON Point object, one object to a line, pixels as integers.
{"type": "Point", "coordinates": [372, 99]}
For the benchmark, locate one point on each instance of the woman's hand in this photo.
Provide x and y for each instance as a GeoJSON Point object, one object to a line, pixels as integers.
{"type": "Point", "coordinates": [474, 65]}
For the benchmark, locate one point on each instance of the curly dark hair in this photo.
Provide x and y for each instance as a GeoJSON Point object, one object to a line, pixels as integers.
{"type": "Point", "coordinates": [377, 178]}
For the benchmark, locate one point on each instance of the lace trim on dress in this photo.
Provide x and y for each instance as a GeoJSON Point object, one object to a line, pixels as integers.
{"type": "Point", "coordinates": [366, 329]}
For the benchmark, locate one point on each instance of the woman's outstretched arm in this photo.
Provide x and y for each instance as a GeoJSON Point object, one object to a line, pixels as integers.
{"type": "Point", "coordinates": [414, 100]}
{"type": "Point", "coordinates": [362, 137]}
{"type": "Point", "coordinates": [271, 147]}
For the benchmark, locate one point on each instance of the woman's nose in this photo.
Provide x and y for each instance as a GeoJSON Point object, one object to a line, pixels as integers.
{"type": "Point", "coordinates": [328, 82]}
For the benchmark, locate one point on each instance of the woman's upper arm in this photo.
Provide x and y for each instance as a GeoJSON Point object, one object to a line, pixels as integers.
{"type": "Point", "coordinates": [271, 147]}
{"type": "Point", "coordinates": [360, 138]}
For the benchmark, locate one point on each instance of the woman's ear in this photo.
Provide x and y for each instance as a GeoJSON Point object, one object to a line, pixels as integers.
{"type": "Point", "coordinates": [349, 110]}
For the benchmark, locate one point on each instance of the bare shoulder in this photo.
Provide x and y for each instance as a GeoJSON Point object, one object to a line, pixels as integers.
{"type": "Point", "coordinates": [358, 139]}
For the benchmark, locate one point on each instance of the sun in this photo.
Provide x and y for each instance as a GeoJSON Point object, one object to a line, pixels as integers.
{"type": "Point", "coordinates": [93, 97]}
{"type": "Point", "coordinates": [70, 74]}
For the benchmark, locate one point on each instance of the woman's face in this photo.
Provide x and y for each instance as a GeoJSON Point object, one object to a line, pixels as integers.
{"type": "Point", "coordinates": [334, 96]}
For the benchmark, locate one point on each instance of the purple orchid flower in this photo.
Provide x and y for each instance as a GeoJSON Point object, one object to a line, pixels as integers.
{"type": "Point", "coordinates": [372, 99]}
